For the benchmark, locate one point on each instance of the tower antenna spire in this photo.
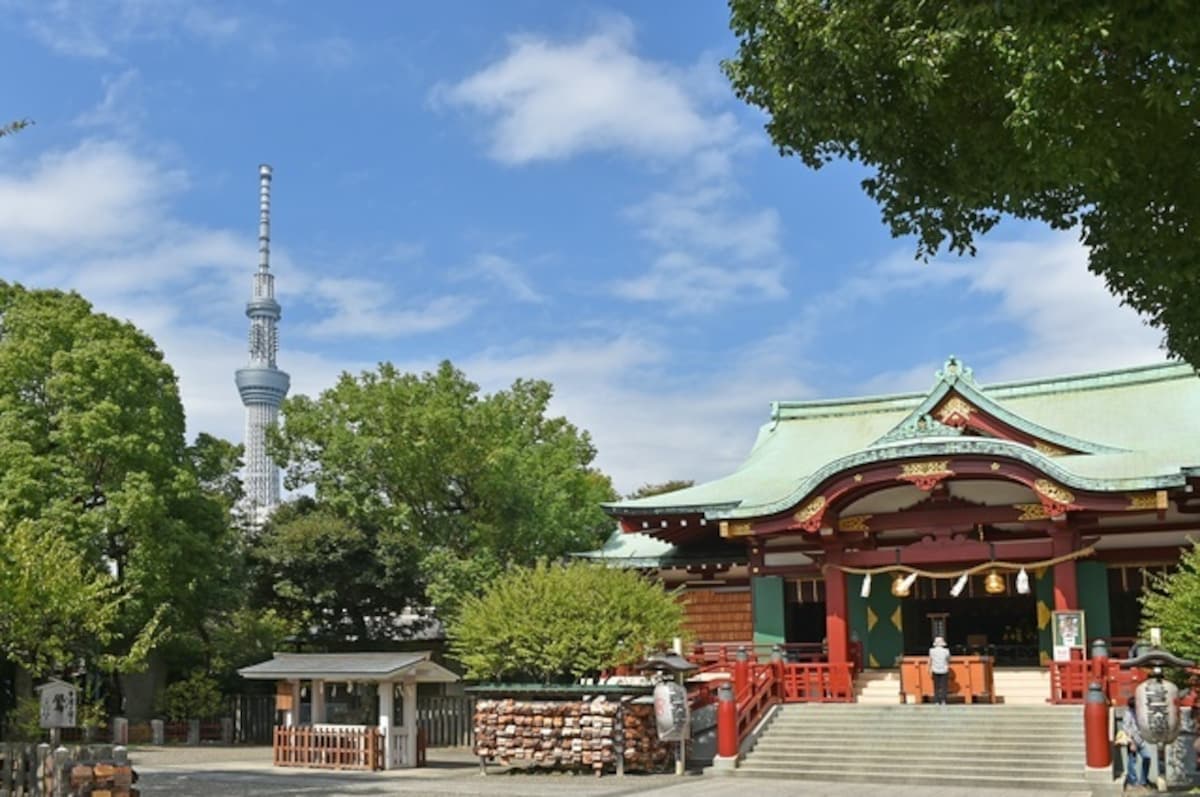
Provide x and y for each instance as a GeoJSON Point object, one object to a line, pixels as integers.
{"type": "Point", "coordinates": [264, 218]}
{"type": "Point", "coordinates": [261, 384]}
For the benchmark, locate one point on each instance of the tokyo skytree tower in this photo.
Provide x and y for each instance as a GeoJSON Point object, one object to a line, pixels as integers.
{"type": "Point", "coordinates": [261, 384]}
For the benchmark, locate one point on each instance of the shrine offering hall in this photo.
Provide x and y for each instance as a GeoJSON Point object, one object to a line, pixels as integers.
{"type": "Point", "coordinates": [1017, 520]}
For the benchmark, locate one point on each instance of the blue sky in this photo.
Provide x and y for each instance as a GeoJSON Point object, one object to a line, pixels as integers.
{"type": "Point", "coordinates": [559, 190]}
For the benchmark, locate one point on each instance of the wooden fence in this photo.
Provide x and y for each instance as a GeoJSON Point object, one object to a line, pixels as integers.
{"type": "Point", "coordinates": [21, 767]}
{"type": "Point", "coordinates": [447, 721]}
{"type": "Point", "coordinates": [329, 747]}
{"type": "Point", "coordinates": [35, 770]}
{"type": "Point", "coordinates": [253, 718]}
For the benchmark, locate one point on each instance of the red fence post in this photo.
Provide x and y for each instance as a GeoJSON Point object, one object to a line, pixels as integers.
{"type": "Point", "coordinates": [741, 672]}
{"type": "Point", "coordinates": [1095, 732]}
{"type": "Point", "coordinates": [727, 733]}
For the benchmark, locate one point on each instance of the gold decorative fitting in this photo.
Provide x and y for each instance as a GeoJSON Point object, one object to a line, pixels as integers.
{"type": "Point", "coordinates": [858, 477]}
{"type": "Point", "coordinates": [995, 466]}
{"type": "Point", "coordinates": [854, 523]}
{"type": "Point", "coordinates": [1048, 449]}
{"type": "Point", "coordinates": [899, 588]}
{"type": "Point", "coordinates": [1031, 512]}
{"type": "Point", "coordinates": [809, 515]}
{"type": "Point", "coordinates": [955, 411]}
{"type": "Point", "coordinates": [1156, 500]}
{"type": "Point", "coordinates": [994, 584]}
{"type": "Point", "coordinates": [1056, 493]}
{"type": "Point", "coordinates": [735, 528]}
{"type": "Point", "coordinates": [925, 475]}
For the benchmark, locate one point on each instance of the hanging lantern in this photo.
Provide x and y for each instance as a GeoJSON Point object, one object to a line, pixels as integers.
{"type": "Point", "coordinates": [866, 587]}
{"type": "Point", "coordinates": [994, 584]}
{"type": "Point", "coordinates": [899, 588]}
{"type": "Point", "coordinates": [959, 585]}
{"type": "Point", "coordinates": [1023, 582]}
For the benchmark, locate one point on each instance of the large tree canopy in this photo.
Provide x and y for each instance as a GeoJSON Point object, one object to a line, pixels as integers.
{"type": "Point", "coordinates": [438, 485]}
{"type": "Point", "coordinates": [1083, 113]}
{"type": "Point", "coordinates": [92, 454]}
{"type": "Point", "coordinates": [555, 623]}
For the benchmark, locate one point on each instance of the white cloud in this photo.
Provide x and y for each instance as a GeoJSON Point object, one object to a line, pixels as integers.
{"type": "Point", "coordinates": [688, 285]}
{"type": "Point", "coordinates": [649, 422]}
{"type": "Point", "coordinates": [553, 100]}
{"type": "Point", "coordinates": [95, 195]}
{"type": "Point", "coordinates": [1071, 321]}
{"type": "Point", "coordinates": [94, 29]}
{"type": "Point", "coordinates": [710, 254]}
{"type": "Point", "coordinates": [120, 108]}
{"type": "Point", "coordinates": [507, 275]}
{"type": "Point", "coordinates": [702, 219]}
{"type": "Point", "coordinates": [366, 308]}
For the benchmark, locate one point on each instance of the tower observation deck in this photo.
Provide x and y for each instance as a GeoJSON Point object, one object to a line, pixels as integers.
{"type": "Point", "coordinates": [261, 384]}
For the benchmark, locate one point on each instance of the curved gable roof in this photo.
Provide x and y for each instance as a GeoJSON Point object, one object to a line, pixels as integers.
{"type": "Point", "coordinates": [1132, 428]}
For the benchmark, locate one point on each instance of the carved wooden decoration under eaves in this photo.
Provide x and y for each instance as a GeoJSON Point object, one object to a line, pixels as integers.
{"type": "Point", "coordinates": [925, 475]}
{"type": "Point", "coordinates": [735, 528]}
{"type": "Point", "coordinates": [854, 523]}
{"type": "Point", "coordinates": [1156, 500]}
{"type": "Point", "coordinates": [955, 411]}
{"type": "Point", "coordinates": [809, 516]}
{"type": "Point", "coordinates": [1056, 498]}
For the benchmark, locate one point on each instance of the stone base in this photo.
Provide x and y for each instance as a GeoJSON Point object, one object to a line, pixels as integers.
{"type": "Point", "coordinates": [724, 765]}
{"type": "Point", "coordinates": [1098, 774]}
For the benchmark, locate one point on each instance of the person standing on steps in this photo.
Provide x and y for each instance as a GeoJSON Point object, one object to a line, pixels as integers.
{"type": "Point", "coordinates": [939, 668]}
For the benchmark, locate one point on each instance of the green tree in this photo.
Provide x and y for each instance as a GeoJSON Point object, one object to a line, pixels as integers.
{"type": "Point", "coordinates": [13, 127]}
{"type": "Point", "coordinates": [318, 570]}
{"type": "Point", "coordinates": [216, 463]}
{"type": "Point", "coordinates": [557, 623]}
{"type": "Point", "coordinates": [446, 485]}
{"type": "Point", "coordinates": [1171, 601]}
{"type": "Point", "coordinates": [55, 604]}
{"type": "Point", "coordinates": [92, 452]}
{"type": "Point", "coordinates": [1073, 113]}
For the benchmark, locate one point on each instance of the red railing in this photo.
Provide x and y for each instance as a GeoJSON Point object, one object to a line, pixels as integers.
{"type": "Point", "coordinates": [755, 699]}
{"type": "Point", "coordinates": [824, 682]}
{"type": "Point", "coordinates": [712, 656]}
{"type": "Point", "coordinates": [1069, 680]}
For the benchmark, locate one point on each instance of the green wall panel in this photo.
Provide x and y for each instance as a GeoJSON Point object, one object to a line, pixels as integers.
{"type": "Point", "coordinates": [1044, 590]}
{"type": "Point", "coordinates": [884, 626]}
{"type": "Point", "coordinates": [857, 606]}
{"type": "Point", "coordinates": [767, 605]}
{"type": "Point", "coordinates": [1092, 580]}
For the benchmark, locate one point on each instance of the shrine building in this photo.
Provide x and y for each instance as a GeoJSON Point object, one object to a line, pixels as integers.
{"type": "Point", "coordinates": [860, 528]}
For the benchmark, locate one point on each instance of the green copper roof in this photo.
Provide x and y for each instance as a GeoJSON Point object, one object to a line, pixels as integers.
{"type": "Point", "coordinates": [1139, 427]}
{"type": "Point", "coordinates": [636, 550]}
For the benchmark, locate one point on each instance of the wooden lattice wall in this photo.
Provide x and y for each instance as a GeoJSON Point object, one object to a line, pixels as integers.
{"type": "Point", "coordinates": [718, 616]}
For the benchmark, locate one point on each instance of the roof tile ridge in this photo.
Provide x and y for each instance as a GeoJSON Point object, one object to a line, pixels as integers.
{"type": "Point", "coordinates": [1093, 380]}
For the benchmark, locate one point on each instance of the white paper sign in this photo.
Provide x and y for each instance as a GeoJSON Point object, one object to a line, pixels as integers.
{"type": "Point", "coordinates": [58, 701]}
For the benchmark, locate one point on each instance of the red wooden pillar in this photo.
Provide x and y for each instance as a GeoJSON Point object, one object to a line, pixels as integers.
{"type": "Point", "coordinates": [1066, 588]}
{"type": "Point", "coordinates": [837, 610]}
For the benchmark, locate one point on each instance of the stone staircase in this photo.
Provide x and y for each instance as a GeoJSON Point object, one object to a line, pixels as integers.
{"type": "Point", "coordinates": [877, 687]}
{"type": "Point", "coordinates": [1002, 746]}
{"type": "Point", "coordinates": [1022, 686]}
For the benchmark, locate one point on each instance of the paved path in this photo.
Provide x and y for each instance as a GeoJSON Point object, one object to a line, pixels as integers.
{"type": "Point", "coordinates": [247, 772]}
